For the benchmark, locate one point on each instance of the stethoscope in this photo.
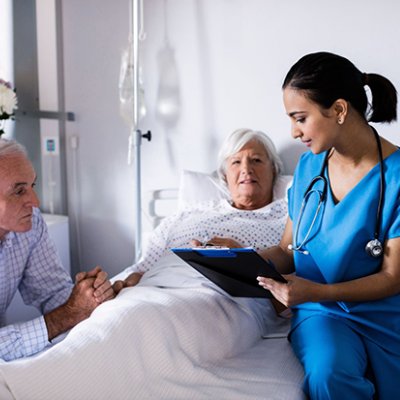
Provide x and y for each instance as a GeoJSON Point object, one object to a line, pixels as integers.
{"type": "Point", "coordinates": [374, 247]}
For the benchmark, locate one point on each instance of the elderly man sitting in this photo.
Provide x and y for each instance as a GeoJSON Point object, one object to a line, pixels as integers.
{"type": "Point", "coordinates": [29, 262]}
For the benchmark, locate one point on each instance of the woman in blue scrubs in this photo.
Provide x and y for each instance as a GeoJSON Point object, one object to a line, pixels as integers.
{"type": "Point", "coordinates": [342, 238]}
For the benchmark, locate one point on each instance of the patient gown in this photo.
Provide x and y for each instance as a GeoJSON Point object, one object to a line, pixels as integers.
{"type": "Point", "coordinates": [336, 246]}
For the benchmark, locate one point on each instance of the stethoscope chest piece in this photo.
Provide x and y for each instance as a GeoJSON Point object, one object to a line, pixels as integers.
{"type": "Point", "coordinates": [374, 248]}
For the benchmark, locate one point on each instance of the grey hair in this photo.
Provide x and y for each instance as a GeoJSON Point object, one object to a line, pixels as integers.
{"type": "Point", "coordinates": [237, 140]}
{"type": "Point", "coordinates": [10, 147]}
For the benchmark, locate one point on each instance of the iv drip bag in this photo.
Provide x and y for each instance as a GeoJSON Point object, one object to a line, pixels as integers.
{"type": "Point", "coordinates": [168, 95]}
{"type": "Point", "coordinates": [126, 94]}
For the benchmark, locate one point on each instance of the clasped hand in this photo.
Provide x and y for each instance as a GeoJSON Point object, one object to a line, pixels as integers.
{"type": "Point", "coordinates": [91, 289]}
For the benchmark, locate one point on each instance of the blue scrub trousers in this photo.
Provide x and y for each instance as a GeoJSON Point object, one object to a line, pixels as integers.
{"type": "Point", "coordinates": [336, 360]}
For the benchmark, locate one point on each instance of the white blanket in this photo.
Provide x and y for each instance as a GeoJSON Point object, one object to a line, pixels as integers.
{"type": "Point", "coordinates": [160, 343]}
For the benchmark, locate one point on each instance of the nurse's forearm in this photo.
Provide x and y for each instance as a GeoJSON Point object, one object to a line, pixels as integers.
{"type": "Point", "coordinates": [369, 288]}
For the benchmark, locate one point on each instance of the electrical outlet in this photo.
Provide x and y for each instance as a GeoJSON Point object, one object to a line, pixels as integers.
{"type": "Point", "coordinates": [50, 145]}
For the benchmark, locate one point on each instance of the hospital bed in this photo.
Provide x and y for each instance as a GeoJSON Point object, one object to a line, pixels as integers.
{"type": "Point", "coordinates": [158, 365]}
{"type": "Point", "coordinates": [270, 364]}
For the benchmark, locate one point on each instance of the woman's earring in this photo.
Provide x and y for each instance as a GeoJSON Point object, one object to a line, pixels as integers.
{"type": "Point", "coordinates": [340, 121]}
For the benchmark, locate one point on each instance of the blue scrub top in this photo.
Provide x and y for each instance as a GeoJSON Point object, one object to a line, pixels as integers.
{"type": "Point", "coordinates": [337, 241]}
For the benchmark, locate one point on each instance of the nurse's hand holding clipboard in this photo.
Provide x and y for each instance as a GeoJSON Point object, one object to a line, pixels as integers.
{"type": "Point", "coordinates": [296, 291]}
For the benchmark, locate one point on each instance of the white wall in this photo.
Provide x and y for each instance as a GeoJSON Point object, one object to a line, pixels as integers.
{"type": "Point", "coordinates": [232, 56]}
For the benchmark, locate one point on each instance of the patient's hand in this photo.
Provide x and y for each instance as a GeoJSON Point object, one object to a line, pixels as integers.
{"type": "Point", "coordinates": [132, 280]}
{"type": "Point", "coordinates": [217, 241]}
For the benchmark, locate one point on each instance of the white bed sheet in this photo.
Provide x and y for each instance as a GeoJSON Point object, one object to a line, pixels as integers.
{"type": "Point", "coordinates": [160, 343]}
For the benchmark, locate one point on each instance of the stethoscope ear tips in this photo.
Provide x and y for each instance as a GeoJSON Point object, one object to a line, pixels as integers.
{"type": "Point", "coordinates": [291, 247]}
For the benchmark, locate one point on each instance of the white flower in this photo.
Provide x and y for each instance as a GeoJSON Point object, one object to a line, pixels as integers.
{"type": "Point", "coordinates": [8, 100]}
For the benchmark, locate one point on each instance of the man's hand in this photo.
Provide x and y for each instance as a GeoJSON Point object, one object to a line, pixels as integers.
{"type": "Point", "coordinates": [91, 289]}
{"type": "Point", "coordinates": [102, 287]}
{"type": "Point", "coordinates": [132, 280]}
{"type": "Point", "coordinates": [82, 301]}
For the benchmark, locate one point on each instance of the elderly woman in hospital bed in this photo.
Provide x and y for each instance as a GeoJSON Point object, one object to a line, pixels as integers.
{"type": "Point", "coordinates": [169, 325]}
{"type": "Point", "coordinates": [248, 168]}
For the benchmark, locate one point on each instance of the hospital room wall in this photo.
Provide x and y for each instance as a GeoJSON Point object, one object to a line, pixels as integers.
{"type": "Point", "coordinates": [230, 57]}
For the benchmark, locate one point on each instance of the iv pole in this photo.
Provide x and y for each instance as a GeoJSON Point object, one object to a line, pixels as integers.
{"type": "Point", "coordinates": [135, 138]}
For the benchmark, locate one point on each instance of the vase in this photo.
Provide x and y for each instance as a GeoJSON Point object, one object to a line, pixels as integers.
{"type": "Point", "coordinates": [2, 126]}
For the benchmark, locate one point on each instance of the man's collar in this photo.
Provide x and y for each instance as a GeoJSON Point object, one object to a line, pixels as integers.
{"type": "Point", "coordinates": [7, 240]}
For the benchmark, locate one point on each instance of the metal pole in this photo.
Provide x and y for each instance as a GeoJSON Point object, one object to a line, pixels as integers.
{"type": "Point", "coordinates": [134, 36]}
{"type": "Point", "coordinates": [136, 134]}
{"type": "Point", "coordinates": [63, 208]}
{"type": "Point", "coordinates": [137, 141]}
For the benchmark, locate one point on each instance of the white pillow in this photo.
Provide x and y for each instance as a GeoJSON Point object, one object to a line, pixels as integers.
{"type": "Point", "coordinates": [281, 186]}
{"type": "Point", "coordinates": [196, 187]}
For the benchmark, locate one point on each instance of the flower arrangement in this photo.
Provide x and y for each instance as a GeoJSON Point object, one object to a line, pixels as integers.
{"type": "Point", "coordinates": [8, 103]}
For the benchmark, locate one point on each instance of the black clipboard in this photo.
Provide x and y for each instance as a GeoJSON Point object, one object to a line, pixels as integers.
{"type": "Point", "coordinates": [233, 270]}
